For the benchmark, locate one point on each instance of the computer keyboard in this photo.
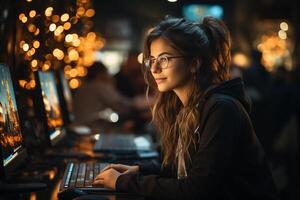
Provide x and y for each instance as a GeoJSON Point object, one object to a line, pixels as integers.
{"type": "Point", "coordinates": [81, 175]}
{"type": "Point", "coordinates": [115, 142]}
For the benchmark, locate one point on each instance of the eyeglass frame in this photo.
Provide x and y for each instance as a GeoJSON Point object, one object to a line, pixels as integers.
{"type": "Point", "coordinates": [147, 61]}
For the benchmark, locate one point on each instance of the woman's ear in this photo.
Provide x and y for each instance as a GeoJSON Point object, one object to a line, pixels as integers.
{"type": "Point", "coordinates": [195, 64]}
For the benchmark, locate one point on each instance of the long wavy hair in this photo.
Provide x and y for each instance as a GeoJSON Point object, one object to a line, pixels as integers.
{"type": "Point", "coordinates": [209, 41]}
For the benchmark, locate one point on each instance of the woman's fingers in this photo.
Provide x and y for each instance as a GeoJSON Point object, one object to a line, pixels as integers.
{"type": "Point", "coordinates": [98, 182]}
{"type": "Point", "coordinates": [118, 167]}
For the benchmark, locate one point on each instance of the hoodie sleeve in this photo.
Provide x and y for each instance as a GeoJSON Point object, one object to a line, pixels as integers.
{"type": "Point", "coordinates": [210, 165]}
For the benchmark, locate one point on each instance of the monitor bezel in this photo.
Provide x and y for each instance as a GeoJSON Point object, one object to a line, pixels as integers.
{"type": "Point", "coordinates": [41, 112]}
{"type": "Point", "coordinates": [67, 115]}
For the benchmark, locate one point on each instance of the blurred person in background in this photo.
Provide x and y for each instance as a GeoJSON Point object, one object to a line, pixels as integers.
{"type": "Point", "coordinates": [98, 104]}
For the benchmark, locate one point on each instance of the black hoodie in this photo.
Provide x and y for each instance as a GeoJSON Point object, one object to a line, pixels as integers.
{"type": "Point", "coordinates": [229, 162]}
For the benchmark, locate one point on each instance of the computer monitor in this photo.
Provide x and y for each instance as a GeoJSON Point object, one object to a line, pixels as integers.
{"type": "Point", "coordinates": [49, 107]}
{"type": "Point", "coordinates": [12, 150]}
{"type": "Point", "coordinates": [65, 97]}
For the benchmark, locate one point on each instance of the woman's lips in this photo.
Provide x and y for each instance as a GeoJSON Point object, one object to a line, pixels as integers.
{"type": "Point", "coordinates": [160, 80]}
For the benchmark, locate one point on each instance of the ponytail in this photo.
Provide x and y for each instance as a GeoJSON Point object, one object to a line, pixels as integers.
{"type": "Point", "coordinates": [219, 46]}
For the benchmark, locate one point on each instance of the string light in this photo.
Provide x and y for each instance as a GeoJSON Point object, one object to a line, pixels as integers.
{"type": "Point", "coordinates": [34, 63]}
{"type": "Point", "coordinates": [36, 44]}
{"type": "Point", "coordinates": [37, 31]}
{"type": "Point", "coordinates": [69, 38]}
{"type": "Point", "coordinates": [25, 47]}
{"type": "Point", "coordinates": [73, 55]}
{"type": "Point", "coordinates": [52, 27]}
{"type": "Point", "coordinates": [64, 17]}
{"type": "Point", "coordinates": [80, 11]}
{"type": "Point", "coordinates": [76, 49]}
{"type": "Point", "coordinates": [55, 18]}
{"type": "Point", "coordinates": [32, 13]}
{"type": "Point", "coordinates": [48, 11]}
{"type": "Point", "coordinates": [67, 25]}
{"type": "Point", "coordinates": [90, 13]}
{"type": "Point", "coordinates": [74, 83]}
{"type": "Point", "coordinates": [284, 26]}
{"type": "Point", "coordinates": [58, 30]}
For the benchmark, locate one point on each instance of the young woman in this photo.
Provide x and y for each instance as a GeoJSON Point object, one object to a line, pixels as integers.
{"type": "Point", "coordinates": [210, 150]}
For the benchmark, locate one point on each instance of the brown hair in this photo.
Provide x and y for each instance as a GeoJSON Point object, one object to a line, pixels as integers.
{"type": "Point", "coordinates": [209, 41]}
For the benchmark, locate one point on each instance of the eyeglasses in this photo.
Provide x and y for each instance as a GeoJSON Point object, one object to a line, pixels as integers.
{"type": "Point", "coordinates": [161, 60]}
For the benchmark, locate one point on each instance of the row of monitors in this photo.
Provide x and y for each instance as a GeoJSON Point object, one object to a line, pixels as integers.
{"type": "Point", "coordinates": [53, 103]}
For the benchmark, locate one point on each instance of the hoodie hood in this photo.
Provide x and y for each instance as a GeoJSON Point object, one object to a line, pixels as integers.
{"type": "Point", "coordinates": [233, 88]}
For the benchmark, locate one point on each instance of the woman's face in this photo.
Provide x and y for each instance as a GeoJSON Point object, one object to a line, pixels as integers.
{"type": "Point", "coordinates": [177, 76]}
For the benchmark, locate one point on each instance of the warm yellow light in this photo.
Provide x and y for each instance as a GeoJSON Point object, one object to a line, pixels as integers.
{"type": "Point", "coordinates": [64, 17]}
{"type": "Point", "coordinates": [67, 69]}
{"type": "Point", "coordinates": [31, 28]}
{"type": "Point", "coordinates": [46, 65]}
{"type": "Point", "coordinates": [29, 0]}
{"type": "Point", "coordinates": [21, 16]}
{"type": "Point", "coordinates": [74, 83]}
{"type": "Point", "coordinates": [48, 11]}
{"type": "Point", "coordinates": [284, 26]}
{"type": "Point", "coordinates": [52, 27]}
{"type": "Point", "coordinates": [69, 38]}
{"type": "Point", "coordinates": [75, 36]}
{"type": "Point", "coordinates": [73, 55]}
{"type": "Point", "coordinates": [80, 11]}
{"type": "Point", "coordinates": [25, 47]}
{"type": "Point", "coordinates": [22, 43]}
{"type": "Point", "coordinates": [37, 31]}
{"type": "Point", "coordinates": [90, 12]}
{"type": "Point", "coordinates": [58, 30]}
{"type": "Point", "coordinates": [55, 52]}
{"type": "Point", "coordinates": [59, 54]}
{"type": "Point", "coordinates": [24, 19]}
{"type": "Point", "coordinates": [82, 71]}
{"type": "Point", "coordinates": [67, 25]}
{"type": "Point", "coordinates": [76, 42]}
{"type": "Point", "coordinates": [34, 63]}
{"type": "Point", "coordinates": [32, 83]}
{"type": "Point", "coordinates": [73, 73]}
{"type": "Point", "coordinates": [31, 52]}
{"type": "Point", "coordinates": [55, 18]}
{"type": "Point", "coordinates": [22, 83]}
{"type": "Point", "coordinates": [282, 34]}
{"type": "Point", "coordinates": [91, 36]}
{"type": "Point", "coordinates": [240, 60]}
{"type": "Point", "coordinates": [32, 13]}
{"type": "Point", "coordinates": [36, 44]}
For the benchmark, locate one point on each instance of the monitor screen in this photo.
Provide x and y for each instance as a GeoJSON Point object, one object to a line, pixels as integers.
{"type": "Point", "coordinates": [10, 129]}
{"type": "Point", "coordinates": [51, 104]}
{"type": "Point", "coordinates": [66, 93]}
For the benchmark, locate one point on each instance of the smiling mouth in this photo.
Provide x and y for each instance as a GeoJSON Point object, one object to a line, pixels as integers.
{"type": "Point", "coordinates": [159, 80]}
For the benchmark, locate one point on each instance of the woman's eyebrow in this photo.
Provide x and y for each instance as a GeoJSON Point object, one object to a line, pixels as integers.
{"type": "Point", "coordinates": [163, 53]}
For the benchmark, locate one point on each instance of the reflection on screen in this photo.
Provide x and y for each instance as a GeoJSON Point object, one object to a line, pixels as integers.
{"type": "Point", "coordinates": [67, 93]}
{"type": "Point", "coordinates": [10, 131]}
{"type": "Point", "coordinates": [51, 103]}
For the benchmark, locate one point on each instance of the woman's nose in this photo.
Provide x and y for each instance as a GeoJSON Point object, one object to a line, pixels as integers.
{"type": "Point", "coordinates": [155, 68]}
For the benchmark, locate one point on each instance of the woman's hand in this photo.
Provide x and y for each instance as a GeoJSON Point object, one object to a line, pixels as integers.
{"type": "Point", "coordinates": [124, 169]}
{"type": "Point", "coordinates": [107, 179]}
{"type": "Point", "coordinates": [109, 175]}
